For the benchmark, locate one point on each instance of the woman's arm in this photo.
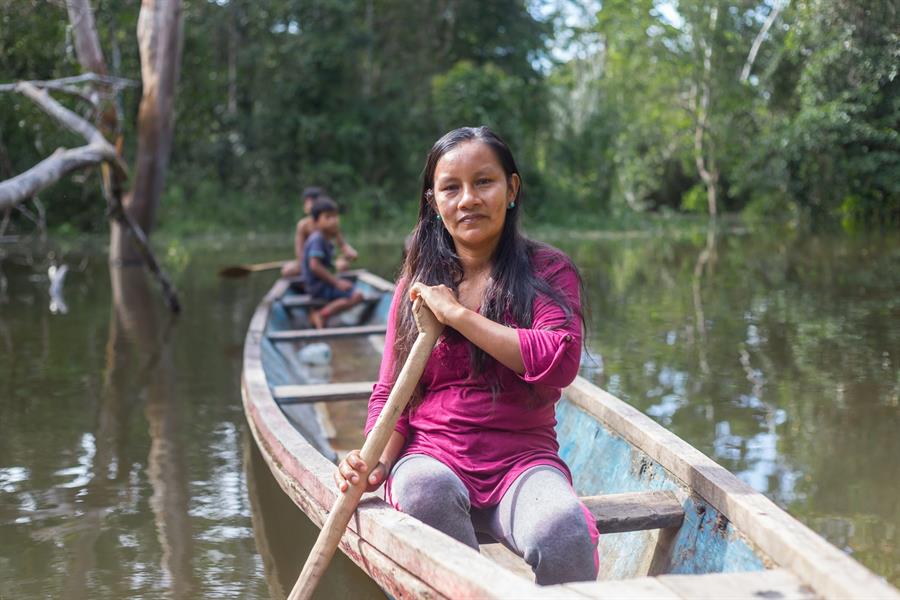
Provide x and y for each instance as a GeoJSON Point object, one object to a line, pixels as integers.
{"type": "Point", "coordinates": [547, 353]}
{"type": "Point", "coordinates": [500, 341]}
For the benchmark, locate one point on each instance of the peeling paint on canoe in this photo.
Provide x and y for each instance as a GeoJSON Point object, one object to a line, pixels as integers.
{"type": "Point", "coordinates": [604, 463]}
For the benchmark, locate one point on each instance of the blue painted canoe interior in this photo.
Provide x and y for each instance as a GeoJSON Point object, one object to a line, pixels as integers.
{"type": "Point", "coordinates": [604, 463]}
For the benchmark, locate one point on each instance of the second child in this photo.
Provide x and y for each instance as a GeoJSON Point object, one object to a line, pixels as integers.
{"type": "Point", "coordinates": [318, 265]}
{"type": "Point", "coordinates": [304, 228]}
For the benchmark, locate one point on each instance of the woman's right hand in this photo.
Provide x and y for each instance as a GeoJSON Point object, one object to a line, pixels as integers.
{"type": "Point", "coordinates": [352, 469]}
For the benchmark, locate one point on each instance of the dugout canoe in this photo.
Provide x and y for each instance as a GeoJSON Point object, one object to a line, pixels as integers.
{"type": "Point", "coordinates": [674, 524]}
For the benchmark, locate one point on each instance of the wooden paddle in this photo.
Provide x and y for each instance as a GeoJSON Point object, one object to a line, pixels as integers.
{"type": "Point", "coordinates": [244, 270]}
{"type": "Point", "coordinates": [345, 505]}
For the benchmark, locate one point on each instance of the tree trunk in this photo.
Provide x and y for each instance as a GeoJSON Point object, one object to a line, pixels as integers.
{"type": "Point", "coordinates": [87, 44]}
{"type": "Point", "coordinates": [703, 147]}
{"type": "Point", "coordinates": [234, 43]}
{"type": "Point", "coordinates": [159, 33]}
{"type": "Point", "coordinates": [90, 57]}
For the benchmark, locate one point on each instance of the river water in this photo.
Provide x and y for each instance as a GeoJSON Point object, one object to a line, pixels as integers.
{"type": "Point", "coordinates": [126, 468]}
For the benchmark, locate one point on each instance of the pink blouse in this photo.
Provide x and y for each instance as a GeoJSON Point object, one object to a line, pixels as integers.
{"type": "Point", "coordinates": [488, 441]}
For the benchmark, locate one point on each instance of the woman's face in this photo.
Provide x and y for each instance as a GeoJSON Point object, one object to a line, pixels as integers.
{"type": "Point", "coordinates": [472, 193]}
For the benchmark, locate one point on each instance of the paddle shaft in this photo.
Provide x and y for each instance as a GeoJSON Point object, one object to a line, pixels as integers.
{"type": "Point", "coordinates": [346, 503]}
{"type": "Point", "coordinates": [242, 270]}
{"type": "Point", "coordinates": [275, 264]}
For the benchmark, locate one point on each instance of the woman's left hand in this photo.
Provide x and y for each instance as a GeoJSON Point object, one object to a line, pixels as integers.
{"type": "Point", "coordinates": [440, 299]}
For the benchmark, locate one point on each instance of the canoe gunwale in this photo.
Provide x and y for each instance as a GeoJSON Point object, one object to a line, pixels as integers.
{"type": "Point", "coordinates": [770, 529]}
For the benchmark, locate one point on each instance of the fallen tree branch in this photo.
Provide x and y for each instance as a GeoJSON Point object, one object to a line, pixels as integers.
{"type": "Point", "coordinates": [47, 172]}
{"type": "Point", "coordinates": [89, 95]}
{"type": "Point", "coordinates": [116, 82]}
{"type": "Point", "coordinates": [63, 161]}
{"type": "Point", "coordinates": [62, 115]}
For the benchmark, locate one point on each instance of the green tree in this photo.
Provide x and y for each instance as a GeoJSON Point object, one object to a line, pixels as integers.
{"type": "Point", "coordinates": [843, 142]}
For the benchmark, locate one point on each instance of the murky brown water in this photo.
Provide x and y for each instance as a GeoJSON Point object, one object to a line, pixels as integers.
{"type": "Point", "coordinates": [126, 468]}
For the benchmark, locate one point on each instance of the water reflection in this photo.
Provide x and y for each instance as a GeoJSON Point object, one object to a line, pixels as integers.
{"type": "Point", "coordinates": [138, 321]}
{"type": "Point", "coordinates": [122, 448]}
{"type": "Point", "coordinates": [284, 537]}
{"type": "Point", "coordinates": [95, 491]}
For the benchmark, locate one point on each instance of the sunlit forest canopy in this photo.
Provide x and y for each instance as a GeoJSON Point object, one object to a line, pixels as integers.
{"type": "Point", "coordinates": [780, 108]}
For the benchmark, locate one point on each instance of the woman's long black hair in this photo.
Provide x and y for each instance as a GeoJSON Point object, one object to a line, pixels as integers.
{"type": "Point", "coordinates": [432, 258]}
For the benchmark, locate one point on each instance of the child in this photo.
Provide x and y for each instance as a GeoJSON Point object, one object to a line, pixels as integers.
{"type": "Point", "coordinates": [304, 228]}
{"type": "Point", "coordinates": [318, 254]}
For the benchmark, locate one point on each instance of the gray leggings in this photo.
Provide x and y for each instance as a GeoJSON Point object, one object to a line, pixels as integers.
{"type": "Point", "coordinates": [540, 517]}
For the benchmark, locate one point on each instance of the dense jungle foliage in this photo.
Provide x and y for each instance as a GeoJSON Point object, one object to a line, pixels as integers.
{"type": "Point", "coordinates": [602, 105]}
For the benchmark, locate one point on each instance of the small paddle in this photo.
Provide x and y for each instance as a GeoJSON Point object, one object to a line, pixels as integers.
{"type": "Point", "coordinates": [244, 270]}
{"type": "Point", "coordinates": [345, 505]}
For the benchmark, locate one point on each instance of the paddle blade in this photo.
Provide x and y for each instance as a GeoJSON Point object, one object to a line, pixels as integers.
{"type": "Point", "coordinates": [234, 272]}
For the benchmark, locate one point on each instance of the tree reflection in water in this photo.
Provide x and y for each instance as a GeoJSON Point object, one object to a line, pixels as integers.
{"type": "Point", "coordinates": [138, 321]}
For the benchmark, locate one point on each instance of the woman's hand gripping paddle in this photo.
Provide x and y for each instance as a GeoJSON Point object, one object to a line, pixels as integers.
{"type": "Point", "coordinates": [345, 505]}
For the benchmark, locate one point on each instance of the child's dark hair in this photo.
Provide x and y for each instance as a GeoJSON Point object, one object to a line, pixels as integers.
{"type": "Point", "coordinates": [312, 192]}
{"type": "Point", "coordinates": [323, 204]}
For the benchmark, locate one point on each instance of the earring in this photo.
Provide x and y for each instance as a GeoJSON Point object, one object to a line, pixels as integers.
{"type": "Point", "coordinates": [512, 205]}
{"type": "Point", "coordinates": [438, 217]}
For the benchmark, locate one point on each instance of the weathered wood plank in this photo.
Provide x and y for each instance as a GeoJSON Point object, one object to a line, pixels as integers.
{"type": "Point", "coordinates": [507, 559]}
{"type": "Point", "coordinates": [322, 392]}
{"type": "Point", "coordinates": [333, 332]}
{"type": "Point", "coordinates": [641, 588]}
{"type": "Point", "coordinates": [783, 539]}
{"type": "Point", "coordinates": [753, 585]}
{"type": "Point", "coordinates": [616, 513]}
{"type": "Point", "coordinates": [301, 301]}
{"type": "Point", "coordinates": [307, 301]}
{"type": "Point", "coordinates": [375, 281]}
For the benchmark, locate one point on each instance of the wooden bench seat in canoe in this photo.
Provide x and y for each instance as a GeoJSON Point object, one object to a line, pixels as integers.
{"type": "Point", "coordinates": [302, 301]}
{"type": "Point", "coordinates": [307, 301]}
{"type": "Point", "coordinates": [617, 513]}
{"type": "Point", "coordinates": [322, 392]}
{"type": "Point", "coordinates": [330, 332]}
{"type": "Point", "coordinates": [621, 513]}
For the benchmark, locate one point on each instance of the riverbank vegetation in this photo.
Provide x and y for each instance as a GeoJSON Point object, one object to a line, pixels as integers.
{"type": "Point", "coordinates": [771, 109]}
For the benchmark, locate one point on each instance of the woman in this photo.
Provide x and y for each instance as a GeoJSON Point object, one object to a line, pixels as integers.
{"type": "Point", "coordinates": [477, 451]}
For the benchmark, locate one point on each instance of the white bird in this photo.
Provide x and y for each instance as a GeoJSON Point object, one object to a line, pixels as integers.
{"type": "Point", "coordinates": [57, 277]}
